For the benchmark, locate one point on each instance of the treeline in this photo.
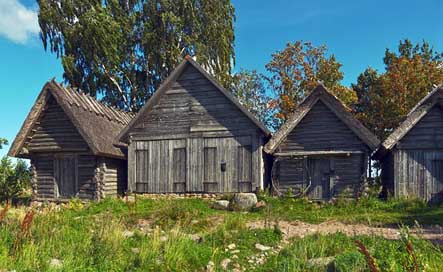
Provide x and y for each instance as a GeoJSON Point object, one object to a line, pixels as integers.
{"type": "Point", "coordinates": [123, 50]}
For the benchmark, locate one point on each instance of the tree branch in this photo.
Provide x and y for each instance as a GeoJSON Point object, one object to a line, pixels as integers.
{"type": "Point", "coordinates": [119, 89]}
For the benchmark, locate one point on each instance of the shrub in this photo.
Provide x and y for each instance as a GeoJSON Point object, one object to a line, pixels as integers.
{"type": "Point", "coordinates": [13, 178]}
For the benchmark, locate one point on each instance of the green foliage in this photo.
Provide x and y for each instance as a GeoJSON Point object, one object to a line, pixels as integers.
{"type": "Point", "coordinates": [3, 141]}
{"type": "Point", "coordinates": [13, 178]}
{"type": "Point", "coordinates": [410, 74]}
{"type": "Point", "coordinates": [249, 87]}
{"type": "Point", "coordinates": [123, 50]}
{"type": "Point", "coordinates": [296, 70]}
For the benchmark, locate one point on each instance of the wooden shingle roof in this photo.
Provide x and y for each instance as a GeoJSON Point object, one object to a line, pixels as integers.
{"type": "Point", "coordinates": [97, 123]}
{"type": "Point", "coordinates": [321, 93]}
{"type": "Point", "coordinates": [414, 116]}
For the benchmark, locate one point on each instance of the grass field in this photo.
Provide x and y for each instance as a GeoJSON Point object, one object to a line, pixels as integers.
{"type": "Point", "coordinates": [188, 235]}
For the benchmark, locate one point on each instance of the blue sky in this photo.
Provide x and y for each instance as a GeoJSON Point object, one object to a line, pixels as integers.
{"type": "Point", "coordinates": [356, 31]}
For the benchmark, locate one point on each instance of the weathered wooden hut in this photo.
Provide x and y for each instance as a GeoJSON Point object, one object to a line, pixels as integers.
{"type": "Point", "coordinates": [194, 136]}
{"type": "Point", "coordinates": [321, 151]}
{"type": "Point", "coordinates": [412, 156]}
{"type": "Point", "coordinates": [69, 138]}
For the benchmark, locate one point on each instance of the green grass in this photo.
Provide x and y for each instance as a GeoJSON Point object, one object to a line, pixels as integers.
{"type": "Point", "coordinates": [389, 255]}
{"type": "Point", "coordinates": [90, 237]}
{"type": "Point", "coordinates": [367, 211]}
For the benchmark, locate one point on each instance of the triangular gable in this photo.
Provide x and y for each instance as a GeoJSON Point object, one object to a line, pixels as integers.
{"type": "Point", "coordinates": [96, 123]}
{"type": "Point", "coordinates": [34, 116]}
{"type": "Point", "coordinates": [415, 115]}
{"type": "Point", "coordinates": [154, 100]}
{"type": "Point", "coordinates": [321, 93]}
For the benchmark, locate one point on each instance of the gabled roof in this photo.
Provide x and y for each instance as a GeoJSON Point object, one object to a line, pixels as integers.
{"type": "Point", "coordinates": [97, 123]}
{"type": "Point", "coordinates": [322, 94]}
{"type": "Point", "coordinates": [173, 77]}
{"type": "Point", "coordinates": [414, 116]}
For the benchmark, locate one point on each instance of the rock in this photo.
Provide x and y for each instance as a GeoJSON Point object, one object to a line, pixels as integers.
{"type": "Point", "coordinates": [231, 246]}
{"type": "Point", "coordinates": [262, 247]}
{"type": "Point", "coordinates": [55, 263]}
{"type": "Point", "coordinates": [235, 251]}
{"type": "Point", "coordinates": [243, 201]}
{"type": "Point", "coordinates": [128, 233]}
{"type": "Point", "coordinates": [163, 238]}
{"type": "Point", "coordinates": [225, 263]}
{"type": "Point", "coordinates": [234, 257]}
{"type": "Point", "coordinates": [260, 204]}
{"type": "Point", "coordinates": [210, 266]}
{"type": "Point", "coordinates": [221, 205]}
{"type": "Point", "coordinates": [325, 263]}
{"type": "Point", "coordinates": [196, 238]}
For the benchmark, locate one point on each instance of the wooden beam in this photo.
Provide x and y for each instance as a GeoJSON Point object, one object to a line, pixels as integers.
{"type": "Point", "coordinates": [320, 152]}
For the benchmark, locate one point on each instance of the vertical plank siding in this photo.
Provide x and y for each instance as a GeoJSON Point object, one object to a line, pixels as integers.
{"type": "Point", "coordinates": [180, 144]}
{"type": "Point", "coordinates": [323, 176]}
{"type": "Point", "coordinates": [413, 167]}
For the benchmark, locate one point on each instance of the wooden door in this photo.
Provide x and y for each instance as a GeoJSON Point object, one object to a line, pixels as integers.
{"type": "Point", "coordinates": [320, 171]}
{"type": "Point", "coordinates": [65, 174]}
{"type": "Point", "coordinates": [227, 164]}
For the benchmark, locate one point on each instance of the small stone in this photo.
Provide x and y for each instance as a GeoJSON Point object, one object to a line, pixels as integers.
{"type": "Point", "coordinates": [221, 205]}
{"type": "Point", "coordinates": [55, 263]}
{"type": "Point", "coordinates": [234, 257]}
{"type": "Point", "coordinates": [196, 238]}
{"type": "Point", "coordinates": [235, 251]}
{"type": "Point", "coordinates": [231, 246]}
{"type": "Point", "coordinates": [327, 263]}
{"type": "Point", "coordinates": [163, 238]}
{"type": "Point", "coordinates": [128, 234]}
{"type": "Point", "coordinates": [262, 247]}
{"type": "Point", "coordinates": [194, 222]}
{"type": "Point", "coordinates": [210, 266]}
{"type": "Point", "coordinates": [243, 201]}
{"type": "Point", "coordinates": [260, 204]}
{"type": "Point", "coordinates": [135, 250]}
{"type": "Point", "coordinates": [225, 263]}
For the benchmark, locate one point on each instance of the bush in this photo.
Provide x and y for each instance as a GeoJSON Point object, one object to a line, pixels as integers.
{"type": "Point", "coordinates": [13, 178]}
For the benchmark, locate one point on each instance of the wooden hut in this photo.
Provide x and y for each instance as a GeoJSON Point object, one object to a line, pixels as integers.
{"type": "Point", "coordinates": [412, 156]}
{"type": "Point", "coordinates": [194, 136]}
{"type": "Point", "coordinates": [321, 151]}
{"type": "Point", "coordinates": [69, 138]}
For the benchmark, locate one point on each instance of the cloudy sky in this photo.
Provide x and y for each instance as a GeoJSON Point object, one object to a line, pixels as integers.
{"type": "Point", "coordinates": [356, 31]}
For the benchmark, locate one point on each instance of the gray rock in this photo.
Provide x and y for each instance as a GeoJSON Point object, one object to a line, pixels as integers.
{"type": "Point", "coordinates": [262, 247]}
{"type": "Point", "coordinates": [243, 201]}
{"type": "Point", "coordinates": [221, 205]}
{"type": "Point", "coordinates": [55, 263]}
{"type": "Point", "coordinates": [128, 233]}
{"type": "Point", "coordinates": [135, 250]}
{"type": "Point", "coordinates": [225, 263]}
{"type": "Point", "coordinates": [231, 246]}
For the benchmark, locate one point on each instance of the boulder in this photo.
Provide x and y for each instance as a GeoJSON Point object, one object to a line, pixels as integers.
{"type": "Point", "coordinates": [221, 205]}
{"type": "Point", "coordinates": [243, 201]}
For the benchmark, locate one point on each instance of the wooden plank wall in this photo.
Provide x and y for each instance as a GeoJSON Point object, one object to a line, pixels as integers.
{"type": "Point", "coordinates": [321, 129]}
{"type": "Point", "coordinates": [55, 132]}
{"type": "Point", "coordinates": [427, 133]}
{"type": "Point", "coordinates": [192, 103]}
{"type": "Point", "coordinates": [191, 114]}
{"type": "Point", "coordinates": [417, 173]}
{"type": "Point", "coordinates": [44, 169]}
{"type": "Point", "coordinates": [115, 178]}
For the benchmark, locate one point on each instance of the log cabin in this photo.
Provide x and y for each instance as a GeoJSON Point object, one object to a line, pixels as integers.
{"type": "Point", "coordinates": [412, 156]}
{"type": "Point", "coordinates": [193, 136]}
{"type": "Point", "coordinates": [321, 151]}
{"type": "Point", "coordinates": [69, 138]}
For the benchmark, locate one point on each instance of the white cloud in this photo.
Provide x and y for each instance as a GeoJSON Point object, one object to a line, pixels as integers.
{"type": "Point", "coordinates": [18, 22]}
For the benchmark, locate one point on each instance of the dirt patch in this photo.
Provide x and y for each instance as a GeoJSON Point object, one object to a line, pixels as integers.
{"type": "Point", "coordinates": [302, 229]}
